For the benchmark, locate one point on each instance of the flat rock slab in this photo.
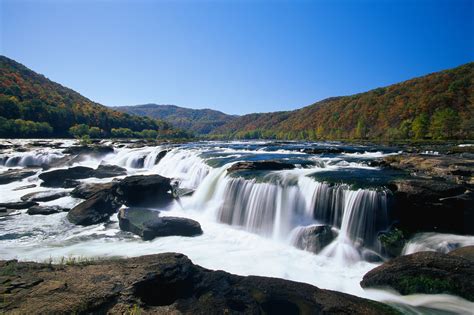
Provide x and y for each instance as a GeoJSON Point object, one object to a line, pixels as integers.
{"type": "Point", "coordinates": [18, 205]}
{"type": "Point", "coordinates": [39, 210]}
{"type": "Point", "coordinates": [260, 166]}
{"type": "Point", "coordinates": [148, 224]}
{"type": "Point", "coordinates": [162, 284]}
{"type": "Point", "coordinates": [425, 272]}
{"type": "Point", "coordinates": [11, 176]}
{"type": "Point", "coordinates": [43, 196]}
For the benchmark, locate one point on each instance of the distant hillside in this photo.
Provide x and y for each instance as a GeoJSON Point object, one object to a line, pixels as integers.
{"type": "Point", "coordinates": [32, 105]}
{"type": "Point", "coordinates": [437, 106]}
{"type": "Point", "coordinates": [200, 121]}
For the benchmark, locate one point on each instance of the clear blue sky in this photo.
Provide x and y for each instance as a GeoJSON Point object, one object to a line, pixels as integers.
{"type": "Point", "coordinates": [234, 56]}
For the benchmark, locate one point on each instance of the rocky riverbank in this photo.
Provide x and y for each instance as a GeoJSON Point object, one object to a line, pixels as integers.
{"type": "Point", "coordinates": [166, 284]}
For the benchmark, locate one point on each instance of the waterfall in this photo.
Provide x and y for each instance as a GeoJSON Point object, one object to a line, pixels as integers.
{"type": "Point", "coordinates": [282, 201]}
{"type": "Point", "coordinates": [29, 159]}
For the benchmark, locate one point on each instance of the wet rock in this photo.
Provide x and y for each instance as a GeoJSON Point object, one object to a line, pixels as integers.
{"type": "Point", "coordinates": [18, 205]}
{"type": "Point", "coordinates": [432, 206]}
{"type": "Point", "coordinates": [160, 156]}
{"type": "Point", "coordinates": [105, 171]}
{"type": "Point", "coordinates": [425, 272]}
{"type": "Point", "coordinates": [86, 190]}
{"type": "Point", "coordinates": [148, 224]}
{"type": "Point", "coordinates": [151, 190]}
{"type": "Point", "coordinates": [43, 196]}
{"type": "Point", "coordinates": [11, 176]}
{"type": "Point", "coordinates": [98, 208]}
{"type": "Point", "coordinates": [25, 187]}
{"type": "Point", "coordinates": [95, 150]}
{"type": "Point", "coordinates": [183, 192]}
{"type": "Point", "coordinates": [392, 242]}
{"type": "Point", "coordinates": [45, 210]}
{"type": "Point", "coordinates": [57, 178]}
{"type": "Point", "coordinates": [454, 168]}
{"type": "Point", "coordinates": [466, 252]}
{"type": "Point", "coordinates": [165, 283]}
{"type": "Point", "coordinates": [260, 166]}
{"type": "Point", "coordinates": [329, 150]}
{"type": "Point", "coordinates": [314, 238]}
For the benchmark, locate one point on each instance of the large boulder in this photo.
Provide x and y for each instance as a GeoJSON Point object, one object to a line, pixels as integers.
{"type": "Point", "coordinates": [86, 190]}
{"type": "Point", "coordinates": [60, 178]}
{"type": "Point", "coordinates": [260, 166]}
{"type": "Point", "coordinates": [10, 176]}
{"type": "Point", "coordinates": [45, 210]}
{"type": "Point", "coordinates": [163, 284]}
{"type": "Point", "coordinates": [43, 196]}
{"type": "Point", "coordinates": [56, 178]}
{"type": "Point", "coordinates": [431, 205]}
{"type": "Point", "coordinates": [148, 224]}
{"type": "Point", "coordinates": [140, 190]}
{"type": "Point", "coordinates": [425, 272]}
{"type": "Point", "coordinates": [96, 209]}
{"type": "Point", "coordinates": [106, 170]}
{"type": "Point", "coordinates": [314, 238]}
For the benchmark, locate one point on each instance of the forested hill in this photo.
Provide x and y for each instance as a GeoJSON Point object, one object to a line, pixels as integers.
{"type": "Point", "coordinates": [435, 106]}
{"type": "Point", "coordinates": [200, 121]}
{"type": "Point", "coordinates": [33, 106]}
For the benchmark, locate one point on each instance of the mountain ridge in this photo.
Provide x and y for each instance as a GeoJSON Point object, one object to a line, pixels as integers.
{"type": "Point", "coordinates": [200, 121]}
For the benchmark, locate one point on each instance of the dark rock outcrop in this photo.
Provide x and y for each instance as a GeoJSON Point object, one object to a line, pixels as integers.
{"type": "Point", "coordinates": [46, 210]}
{"type": "Point", "coordinates": [328, 150]}
{"type": "Point", "coordinates": [433, 206]}
{"type": "Point", "coordinates": [466, 252]}
{"type": "Point", "coordinates": [56, 178]}
{"type": "Point", "coordinates": [59, 178]}
{"type": "Point", "coordinates": [160, 156]}
{"type": "Point", "coordinates": [18, 205]}
{"type": "Point", "coordinates": [11, 176]}
{"type": "Point", "coordinates": [86, 190]}
{"type": "Point", "coordinates": [94, 150]}
{"type": "Point", "coordinates": [96, 209]}
{"type": "Point", "coordinates": [148, 224]}
{"type": "Point", "coordinates": [314, 238]}
{"type": "Point", "coordinates": [106, 170]}
{"type": "Point", "coordinates": [260, 166]}
{"type": "Point", "coordinates": [151, 190]}
{"type": "Point", "coordinates": [163, 284]}
{"type": "Point", "coordinates": [42, 196]}
{"type": "Point", "coordinates": [425, 272]}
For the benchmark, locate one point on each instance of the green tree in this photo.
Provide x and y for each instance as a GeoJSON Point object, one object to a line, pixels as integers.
{"type": "Point", "coordinates": [79, 130]}
{"type": "Point", "coordinates": [444, 124]}
{"type": "Point", "coordinates": [419, 126]}
{"type": "Point", "coordinates": [361, 129]}
{"type": "Point", "coordinates": [9, 107]}
{"type": "Point", "coordinates": [95, 132]}
{"type": "Point", "coordinates": [405, 129]}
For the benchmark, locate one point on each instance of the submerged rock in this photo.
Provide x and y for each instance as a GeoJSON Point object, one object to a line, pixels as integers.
{"type": "Point", "coordinates": [45, 210]}
{"type": "Point", "coordinates": [260, 166]}
{"type": "Point", "coordinates": [151, 190]}
{"type": "Point", "coordinates": [25, 187]}
{"type": "Point", "coordinates": [11, 176]}
{"type": "Point", "coordinates": [166, 283]}
{"type": "Point", "coordinates": [96, 209]}
{"type": "Point", "coordinates": [425, 272]}
{"type": "Point", "coordinates": [42, 196]}
{"type": "Point", "coordinates": [148, 224]}
{"type": "Point", "coordinates": [314, 238]}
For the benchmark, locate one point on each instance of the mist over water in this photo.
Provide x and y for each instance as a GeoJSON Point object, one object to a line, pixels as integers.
{"type": "Point", "coordinates": [251, 220]}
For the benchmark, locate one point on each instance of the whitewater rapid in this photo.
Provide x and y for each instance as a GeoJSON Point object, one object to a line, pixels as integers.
{"type": "Point", "coordinates": [247, 222]}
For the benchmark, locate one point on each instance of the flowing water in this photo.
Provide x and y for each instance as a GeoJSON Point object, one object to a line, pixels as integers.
{"type": "Point", "coordinates": [251, 219]}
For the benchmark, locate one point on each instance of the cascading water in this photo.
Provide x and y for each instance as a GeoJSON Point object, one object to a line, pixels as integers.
{"type": "Point", "coordinates": [283, 201]}
{"type": "Point", "coordinates": [29, 159]}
